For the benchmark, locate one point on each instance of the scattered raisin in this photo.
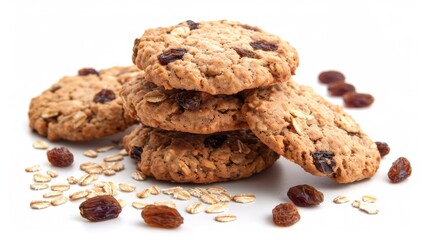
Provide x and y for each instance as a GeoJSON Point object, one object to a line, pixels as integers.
{"type": "Point", "coordinates": [357, 100]}
{"type": "Point", "coordinates": [215, 141]}
{"type": "Point", "coordinates": [383, 148]}
{"type": "Point", "coordinates": [60, 157]}
{"type": "Point", "coordinates": [285, 215]}
{"type": "Point", "coordinates": [161, 216]}
{"type": "Point", "coordinates": [331, 76]}
{"type": "Point", "coordinates": [136, 152]}
{"type": "Point", "coordinates": [87, 71]}
{"type": "Point", "coordinates": [244, 52]}
{"type": "Point", "coordinates": [264, 45]}
{"type": "Point", "coordinates": [100, 208]}
{"type": "Point", "coordinates": [103, 96]}
{"type": "Point", "coordinates": [135, 49]}
{"type": "Point", "coordinates": [189, 100]}
{"type": "Point", "coordinates": [171, 55]}
{"type": "Point", "coordinates": [305, 195]}
{"type": "Point", "coordinates": [400, 170]}
{"type": "Point", "coordinates": [323, 160]}
{"type": "Point", "coordinates": [192, 25]}
{"type": "Point", "coordinates": [340, 88]}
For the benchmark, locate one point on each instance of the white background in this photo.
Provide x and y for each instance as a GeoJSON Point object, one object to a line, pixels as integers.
{"type": "Point", "coordinates": [381, 46]}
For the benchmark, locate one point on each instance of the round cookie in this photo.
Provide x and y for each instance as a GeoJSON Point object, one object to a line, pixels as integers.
{"type": "Point", "coordinates": [182, 110]}
{"type": "Point", "coordinates": [185, 157]}
{"type": "Point", "coordinates": [83, 107]}
{"type": "Point", "coordinates": [305, 128]}
{"type": "Point", "coordinates": [218, 57]}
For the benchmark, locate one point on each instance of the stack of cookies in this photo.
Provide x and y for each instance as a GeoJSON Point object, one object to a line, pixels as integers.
{"type": "Point", "coordinates": [216, 102]}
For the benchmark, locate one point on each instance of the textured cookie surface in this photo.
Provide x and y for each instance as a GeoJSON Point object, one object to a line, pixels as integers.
{"type": "Point", "coordinates": [83, 107]}
{"type": "Point", "coordinates": [302, 126]}
{"type": "Point", "coordinates": [185, 157]}
{"type": "Point", "coordinates": [219, 57]}
{"type": "Point", "coordinates": [182, 110]}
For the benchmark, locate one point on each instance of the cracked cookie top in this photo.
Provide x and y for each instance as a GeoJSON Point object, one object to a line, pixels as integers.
{"type": "Point", "coordinates": [182, 110]}
{"type": "Point", "coordinates": [82, 107]}
{"type": "Point", "coordinates": [218, 57]}
{"type": "Point", "coordinates": [198, 158]}
{"type": "Point", "coordinates": [299, 124]}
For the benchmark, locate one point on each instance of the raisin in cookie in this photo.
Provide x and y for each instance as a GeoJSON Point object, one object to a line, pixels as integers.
{"type": "Point", "coordinates": [83, 107]}
{"type": "Point", "coordinates": [320, 137]}
{"type": "Point", "coordinates": [218, 57]}
{"type": "Point", "coordinates": [182, 110]}
{"type": "Point", "coordinates": [185, 157]}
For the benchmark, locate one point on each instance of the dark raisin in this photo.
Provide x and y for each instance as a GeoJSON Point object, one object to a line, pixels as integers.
{"type": "Point", "coordinates": [135, 49]}
{"type": "Point", "coordinates": [171, 55]}
{"type": "Point", "coordinates": [244, 52]}
{"type": "Point", "coordinates": [358, 100]}
{"type": "Point", "coordinates": [100, 208]}
{"type": "Point", "coordinates": [103, 96]}
{"type": "Point", "coordinates": [340, 88]}
{"type": "Point", "coordinates": [323, 160]}
{"type": "Point", "coordinates": [252, 28]}
{"type": "Point", "coordinates": [305, 195]}
{"type": "Point", "coordinates": [285, 215]}
{"type": "Point", "coordinates": [331, 76]}
{"type": "Point", "coordinates": [136, 152]}
{"type": "Point", "coordinates": [383, 148]}
{"type": "Point", "coordinates": [400, 170]}
{"type": "Point", "coordinates": [87, 71]}
{"type": "Point", "coordinates": [161, 216]}
{"type": "Point", "coordinates": [189, 100]}
{"type": "Point", "coordinates": [264, 45]}
{"type": "Point", "coordinates": [60, 157]}
{"type": "Point", "coordinates": [192, 25]}
{"type": "Point", "coordinates": [215, 141]}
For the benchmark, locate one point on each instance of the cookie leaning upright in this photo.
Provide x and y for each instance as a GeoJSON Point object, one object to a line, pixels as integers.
{"type": "Point", "coordinates": [305, 128]}
{"type": "Point", "coordinates": [83, 107]}
{"type": "Point", "coordinates": [218, 57]}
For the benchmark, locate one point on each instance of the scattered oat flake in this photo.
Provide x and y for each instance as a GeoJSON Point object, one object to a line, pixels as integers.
{"type": "Point", "coordinates": [154, 190]}
{"type": "Point", "coordinates": [90, 153]}
{"type": "Point", "coordinates": [109, 172]}
{"type": "Point", "coordinates": [39, 186]}
{"type": "Point", "coordinates": [217, 208]}
{"type": "Point", "coordinates": [216, 190]}
{"type": "Point", "coordinates": [139, 205]}
{"type": "Point", "coordinates": [123, 152]}
{"type": "Point", "coordinates": [209, 198]}
{"type": "Point", "coordinates": [369, 199]}
{"type": "Point", "coordinates": [58, 201]}
{"type": "Point", "coordinates": [143, 193]}
{"type": "Point", "coordinates": [52, 194]}
{"type": "Point", "coordinates": [87, 179]}
{"type": "Point", "coordinates": [356, 204]}
{"type": "Point", "coordinates": [72, 180]}
{"type": "Point", "coordinates": [138, 176]}
{"type": "Point", "coordinates": [52, 173]}
{"type": "Point", "coordinates": [39, 204]}
{"type": "Point", "coordinates": [341, 199]}
{"type": "Point", "coordinates": [78, 195]}
{"type": "Point", "coordinates": [195, 208]}
{"type": "Point", "coordinates": [369, 208]}
{"type": "Point", "coordinates": [38, 177]}
{"type": "Point", "coordinates": [197, 192]}
{"type": "Point", "coordinates": [110, 188]}
{"type": "Point", "coordinates": [244, 198]}
{"type": "Point", "coordinates": [225, 218]}
{"type": "Point", "coordinates": [104, 148]}
{"type": "Point", "coordinates": [165, 203]}
{"type": "Point", "coordinates": [117, 166]}
{"type": "Point", "coordinates": [60, 187]}
{"type": "Point", "coordinates": [170, 191]}
{"type": "Point", "coordinates": [34, 168]}
{"type": "Point", "coordinates": [223, 197]}
{"type": "Point", "coordinates": [127, 187]}
{"type": "Point", "coordinates": [40, 145]}
{"type": "Point", "coordinates": [113, 158]}
{"type": "Point", "coordinates": [182, 195]}
{"type": "Point", "coordinates": [122, 203]}
{"type": "Point", "coordinates": [96, 169]}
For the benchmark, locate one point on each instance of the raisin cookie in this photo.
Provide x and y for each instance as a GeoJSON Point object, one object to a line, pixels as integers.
{"type": "Point", "coordinates": [182, 110]}
{"type": "Point", "coordinates": [83, 107]}
{"type": "Point", "coordinates": [304, 127]}
{"type": "Point", "coordinates": [218, 57]}
{"type": "Point", "coordinates": [185, 157]}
